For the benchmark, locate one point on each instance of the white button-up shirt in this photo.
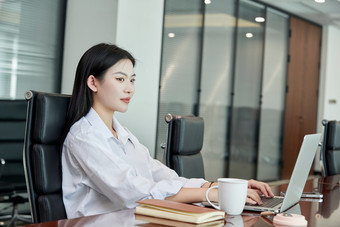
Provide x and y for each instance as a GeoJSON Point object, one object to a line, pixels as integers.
{"type": "Point", "coordinates": [103, 174]}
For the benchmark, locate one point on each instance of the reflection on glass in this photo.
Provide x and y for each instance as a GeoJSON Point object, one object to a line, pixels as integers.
{"type": "Point", "coordinates": [180, 63]}
{"type": "Point", "coordinates": [249, 35]}
{"type": "Point", "coordinates": [238, 78]}
{"type": "Point", "coordinates": [259, 19]}
{"type": "Point", "coordinates": [30, 47]}
{"type": "Point", "coordinates": [247, 88]}
{"type": "Point", "coordinates": [273, 96]}
{"type": "Point", "coordinates": [219, 30]}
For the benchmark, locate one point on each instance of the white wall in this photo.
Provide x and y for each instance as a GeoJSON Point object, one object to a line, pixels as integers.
{"type": "Point", "coordinates": [139, 30]}
{"type": "Point", "coordinates": [134, 25]}
{"type": "Point", "coordinates": [87, 23]}
{"type": "Point", "coordinates": [329, 93]}
{"type": "Point", "coordinates": [331, 108]}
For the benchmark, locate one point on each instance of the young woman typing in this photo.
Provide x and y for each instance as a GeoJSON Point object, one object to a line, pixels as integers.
{"type": "Point", "coordinates": [105, 167]}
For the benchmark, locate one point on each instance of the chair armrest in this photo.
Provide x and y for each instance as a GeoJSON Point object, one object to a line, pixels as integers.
{"type": "Point", "coordinates": [2, 165]}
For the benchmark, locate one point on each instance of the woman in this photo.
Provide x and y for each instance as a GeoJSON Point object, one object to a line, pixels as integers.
{"type": "Point", "coordinates": [105, 168]}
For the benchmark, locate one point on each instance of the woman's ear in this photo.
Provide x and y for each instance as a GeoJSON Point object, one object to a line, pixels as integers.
{"type": "Point", "coordinates": [91, 83]}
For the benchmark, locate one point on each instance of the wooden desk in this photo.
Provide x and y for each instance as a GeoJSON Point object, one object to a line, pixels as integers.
{"type": "Point", "coordinates": [326, 213]}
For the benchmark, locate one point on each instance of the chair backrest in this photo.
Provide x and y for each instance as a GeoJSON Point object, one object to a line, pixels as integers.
{"type": "Point", "coordinates": [46, 118]}
{"type": "Point", "coordinates": [184, 144]}
{"type": "Point", "coordinates": [12, 133]}
{"type": "Point", "coordinates": [330, 152]}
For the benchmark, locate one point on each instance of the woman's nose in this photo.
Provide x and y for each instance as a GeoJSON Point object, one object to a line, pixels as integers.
{"type": "Point", "coordinates": [130, 88]}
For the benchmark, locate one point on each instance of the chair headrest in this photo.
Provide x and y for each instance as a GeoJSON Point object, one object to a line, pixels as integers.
{"type": "Point", "coordinates": [50, 108]}
{"type": "Point", "coordinates": [187, 135]}
{"type": "Point", "coordinates": [333, 135]}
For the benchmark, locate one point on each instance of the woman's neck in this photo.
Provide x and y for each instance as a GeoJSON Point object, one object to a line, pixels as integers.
{"type": "Point", "coordinates": [107, 118]}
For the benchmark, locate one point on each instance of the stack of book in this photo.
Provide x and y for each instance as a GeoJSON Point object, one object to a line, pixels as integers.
{"type": "Point", "coordinates": [178, 214]}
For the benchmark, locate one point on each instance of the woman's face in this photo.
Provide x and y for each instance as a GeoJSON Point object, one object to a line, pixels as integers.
{"type": "Point", "coordinates": [116, 88]}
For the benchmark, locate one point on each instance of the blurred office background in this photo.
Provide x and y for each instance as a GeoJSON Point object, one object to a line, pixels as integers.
{"type": "Point", "coordinates": [230, 61]}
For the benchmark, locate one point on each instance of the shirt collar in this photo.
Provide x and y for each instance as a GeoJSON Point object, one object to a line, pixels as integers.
{"type": "Point", "coordinates": [122, 133]}
{"type": "Point", "coordinates": [94, 119]}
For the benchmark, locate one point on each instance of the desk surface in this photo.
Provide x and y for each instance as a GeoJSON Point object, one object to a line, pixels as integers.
{"type": "Point", "coordinates": [325, 213]}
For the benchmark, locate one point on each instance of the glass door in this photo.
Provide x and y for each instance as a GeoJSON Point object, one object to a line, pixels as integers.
{"type": "Point", "coordinates": [181, 61]}
{"type": "Point", "coordinates": [273, 96]}
{"type": "Point", "coordinates": [247, 90]}
{"type": "Point", "coordinates": [217, 69]}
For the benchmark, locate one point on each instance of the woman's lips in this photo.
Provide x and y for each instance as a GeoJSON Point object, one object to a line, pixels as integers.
{"type": "Point", "coordinates": [126, 100]}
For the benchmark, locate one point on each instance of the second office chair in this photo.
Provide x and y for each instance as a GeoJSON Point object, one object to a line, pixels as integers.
{"type": "Point", "coordinates": [184, 144]}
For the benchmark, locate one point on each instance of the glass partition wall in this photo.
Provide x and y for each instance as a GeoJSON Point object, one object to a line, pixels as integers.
{"type": "Point", "coordinates": [273, 91]}
{"type": "Point", "coordinates": [245, 109]}
{"type": "Point", "coordinates": [225, 60]}
{"type": "Point", "coordinates": [180, 65]}
{"type": "Point", "coordinates": [31, 37]}
{"type": "Point", "coordinates": [216, 84]}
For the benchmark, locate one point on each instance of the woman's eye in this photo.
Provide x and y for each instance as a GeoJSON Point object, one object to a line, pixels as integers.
{"type": "Point", "coordinates": [120, 79]}
{"type": "Point", "coordinates": [133, 80]}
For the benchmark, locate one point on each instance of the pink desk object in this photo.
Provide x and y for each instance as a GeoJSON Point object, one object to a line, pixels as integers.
{"type": "Point", "coordinates": [285, 219]}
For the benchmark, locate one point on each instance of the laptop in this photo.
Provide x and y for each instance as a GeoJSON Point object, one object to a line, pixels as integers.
{"type": "Point", "coordinates": [297, 181]}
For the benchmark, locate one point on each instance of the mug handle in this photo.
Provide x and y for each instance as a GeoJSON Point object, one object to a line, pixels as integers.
{"type": "Point", "coordinates": [206, 196]}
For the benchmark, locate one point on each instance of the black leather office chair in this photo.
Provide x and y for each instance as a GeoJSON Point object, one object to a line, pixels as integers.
{"type": "Point", "coordinates": [330, 151]}
{"type": "Point", "coordinates": [46, 119]}
{"type": "Point", "coordinates": [184, 144]}
{"type": "Point", "coordinates": [12, 176]}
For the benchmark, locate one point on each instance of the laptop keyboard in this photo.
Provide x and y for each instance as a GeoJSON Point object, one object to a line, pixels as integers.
{"type": "Point", "coordinates": [270, 202]}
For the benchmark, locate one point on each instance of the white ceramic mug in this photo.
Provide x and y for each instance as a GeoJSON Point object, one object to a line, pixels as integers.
{"type": "Point", "coordinates": [232, 195]}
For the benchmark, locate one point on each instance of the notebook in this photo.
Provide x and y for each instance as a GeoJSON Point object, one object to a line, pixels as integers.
{"type": "Point", "coordinates": [178, 211]}
{"type": "Point", "coordinates": [297, 181]}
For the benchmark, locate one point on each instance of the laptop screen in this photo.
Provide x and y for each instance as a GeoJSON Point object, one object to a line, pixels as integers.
{"type": "Point", "coordinates": [301, 170]}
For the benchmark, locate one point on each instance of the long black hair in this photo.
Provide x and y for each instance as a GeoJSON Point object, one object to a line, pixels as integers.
{"type": "Point", "coordinates": [95, 61]}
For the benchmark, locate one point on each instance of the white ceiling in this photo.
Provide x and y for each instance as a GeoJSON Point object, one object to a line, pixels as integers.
{"type": "Point", "coordinates": [327, 13]}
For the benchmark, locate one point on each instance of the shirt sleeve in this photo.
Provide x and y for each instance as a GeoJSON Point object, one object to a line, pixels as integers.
{"type": "Point", "coordinates": [107, 173]}
{"type": "Point", "coordinates": [160, 171]}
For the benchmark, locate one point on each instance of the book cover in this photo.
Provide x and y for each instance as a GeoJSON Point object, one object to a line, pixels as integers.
{"type": "Point", "coordinates": [178, 211]}
{"type": "Point", "coordinates": [168, 222]}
